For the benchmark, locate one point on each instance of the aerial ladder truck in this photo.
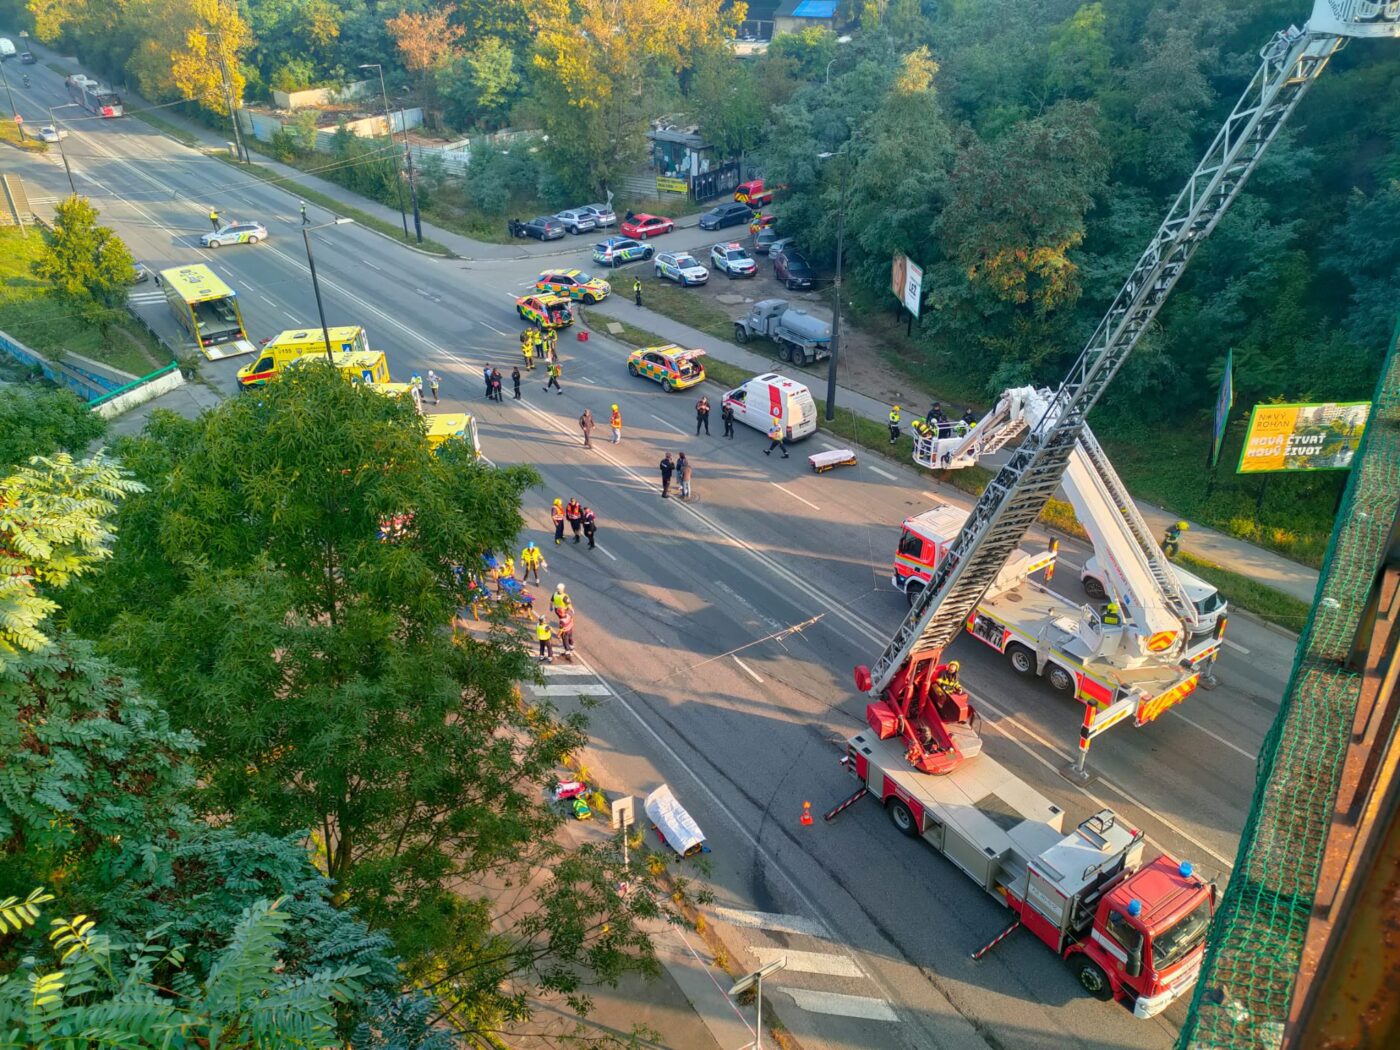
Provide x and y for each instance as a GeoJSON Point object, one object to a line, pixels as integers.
{"type": "Point", "coordinates": [1130, 931]}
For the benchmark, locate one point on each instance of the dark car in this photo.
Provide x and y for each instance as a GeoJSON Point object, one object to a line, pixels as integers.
{"type": "Point", "coordinates": [27, 58]}
{"type": "Point", "coordinates": [544, 228]}
{"type": "Point", "coordinates": [763, 240]}
{"type": "Point", "coordinates": [793, 270]}
{"type": "Point", "coordinates": [733, 213]}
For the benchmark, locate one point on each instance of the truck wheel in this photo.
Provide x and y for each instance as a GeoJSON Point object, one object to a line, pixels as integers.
{"type": "Point", "coordinates": [1060, 680]}
{"type": "Point", "coordinates": [784, 352]}
{"type": "Point", "coordinates": [741, 334]}
{"type": "Point", "coordinates": [1091, 978]}
{"type": "Point", "coordinates": [1094, 588]}
{"type": "Point", "coordinates": [913, 591]}
{"type": "Point", "coordinates": [1022, 659]}
{"type": "Point", "coordinates": [632, 368]}
{"type": "Point", "coordinates": [903, 819]}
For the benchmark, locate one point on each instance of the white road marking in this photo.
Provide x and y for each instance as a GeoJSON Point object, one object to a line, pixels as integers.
{"type": "Point", "coordinates": [267, 300]}
{"type": "Point", "coordinates": [1235, 646]}
{"type": "Point", "coordinates": [842, 1005]}
{"type": "Point", "coordinates": [767, 920]}
{"type": "Point", "coordinates": [1215, 736]}
{"type": "Point", "coordinates": [588, 381]}
{"type": "Point", "coordinates": [1069, 564]}
{"type": "Point", "coordinates": [677, 429]}
{"type": "Point", "coordinates": [609, 553]}
{"type": "Point", "coordinates": [882, 473]}
{"type": "Point", "coordinates": [929, 495]}
{"type": "Point", "coordinates": [582, 689]}
{"type": "Point", "coordinates": [795, 496]}
{"type": "Point", "coordinates": [550, 670]}
{"type": "Point", "coordinates": [370, 265]}
{"type": "Point", "coordinates": [747, 669]}
{"type": "Point", "coordinates": [493, 328]}
{"type": "Point", "coordinates": [830, 447]}
{"type": "Point", "coordinates": [828, 963]}
{"type": "Point", "coordinates": [291, 318]}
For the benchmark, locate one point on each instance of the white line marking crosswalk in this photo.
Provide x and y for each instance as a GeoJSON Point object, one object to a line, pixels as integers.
{"type": "Point", "coordinates": [842, 1005]}
{"type": "Point", "coordinates": [581, 689]}
{"type": "Point", "coordinates": [831, 964]}
{"type": "Point", "coordinates": [764, 920]}
{"type": "Point", "coordinates": [552, 670]}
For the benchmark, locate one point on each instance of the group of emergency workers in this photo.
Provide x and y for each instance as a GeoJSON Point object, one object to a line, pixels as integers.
{"type": "Point", "coordinates": [934, 424]}
{"type": "Point", "coordinates": [538, 344]}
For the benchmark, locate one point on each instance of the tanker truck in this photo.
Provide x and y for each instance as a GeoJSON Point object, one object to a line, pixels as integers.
{"type": "Point", "coordinates": [801, 338]}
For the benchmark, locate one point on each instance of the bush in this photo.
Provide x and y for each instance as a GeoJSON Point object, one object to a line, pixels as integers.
{"type": "Point", "coordinates": [40, 420]}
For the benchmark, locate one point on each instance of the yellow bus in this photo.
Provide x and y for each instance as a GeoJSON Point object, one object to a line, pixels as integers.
{"type": "Point", "coordinates": [208, 310]}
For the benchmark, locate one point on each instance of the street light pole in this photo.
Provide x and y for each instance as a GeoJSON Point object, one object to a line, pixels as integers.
{"type": "Point", "coordinates": [836, 287]}
{"type": "Point", "coordinates": [389, 124]}
{"type": "Point", "coordinates": [306, 232]}
{"type": "Point", "coordinates": [19, 120]}
{"type": "Point", "coordinates": [58, 131]}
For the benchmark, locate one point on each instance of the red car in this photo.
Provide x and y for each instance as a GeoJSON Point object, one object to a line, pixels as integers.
{"type": "Point", "coordinates": [643, 226]}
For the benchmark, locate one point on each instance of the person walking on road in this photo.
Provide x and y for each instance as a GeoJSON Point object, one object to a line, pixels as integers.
{"type": "Point", "coordinates": [702, 416]}
{"type": "Point", "coordinates": [726, 413]}
{"type": "Point", "coordinates": [668, 467]}
{"type": "Point", "coordinates": [556, 514]}
{"type": "Point", "coordinates": [590, 526]}
{"type": "Point", "coordinates": [683, 470]}
{"type": "Point", "coordinates": [544, 634]}
{"type": "Point", "coordinates": [775, 439]}
{"type": "Point", "coordinates": [551, 342]}
{"type": "Point", "coordinates": [585, 423]}
{"type": "Point", "coordinates": [214, 219]}
{"type": "Point", "coordinates": [637, 291]}
{"type": "Point", "coordinates": [304, 220]}
{"type": "Point", "coordinates": [486, 375]}
{"type": "Point", "coordinates": [531, 560]}
{"type": "Point", "coordinates": [616, 424]}
{"type": "Point", "coordinates": [573, 514]}
{"type": "Point", "coordinates": [433, 383]}
{"type": "Point", "coordinates": [515, 380]}
{"type": "Point", "coordinates": [539, 342]}
{"type": "Point", "coordinates": [554, 372]}
{"type": "Point", "coordinates": [566, 632]}
{"type": "Point", "coordinates": [894, 424]}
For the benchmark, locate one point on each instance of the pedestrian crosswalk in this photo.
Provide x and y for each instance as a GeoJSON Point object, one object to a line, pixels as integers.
{"type": "Point", "coordinates": [569, 680]}
{"type": "Point", "coordinates": [145, 298]}
{"type": "Point", "coordinates": [810, 975]}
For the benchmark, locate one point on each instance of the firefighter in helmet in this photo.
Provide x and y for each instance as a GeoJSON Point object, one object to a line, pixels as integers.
{"type": "Point", "coordinates": [948, 680]}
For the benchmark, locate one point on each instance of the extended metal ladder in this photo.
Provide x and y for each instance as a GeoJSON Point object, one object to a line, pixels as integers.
{"type": "Point", "coordinates": [1012, 502]}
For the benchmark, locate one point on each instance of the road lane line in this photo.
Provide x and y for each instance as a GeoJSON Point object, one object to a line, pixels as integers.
{"type": "Point", "coordinates": [828, 964]}
{"type": "Point", "coordinates": [677, 429]}
{"type": "Point", "coordinates": [830, 447]}
{"type": "Point", "coordinates": [747, 670]}
{"type": "Point", "coordinates": [794, 495]}
{"type": "Point", "coordinates": [1069, 564]}
{"type": "Point", "coordinates": [609, 553]}
{"type": "Point", "coordinates": [1252, 756]}
{"type": "Point", "coordinates": [582, 689]}
{"type": "Point", "coordinates": [1235, 646]}
{"type": "Point", "coordinates": [370, 265]}
{"type": "Point", "coordinates": [767, 920]}
{"type": "Point", "coordinates": [588, 381]}
{"type": "Point", "coordinates": [268, 301]}
{"type": "Point", "coordinates": [835, 1003]}
{"type": "Point", "coordinates": [882, 473]}
{"type": "Point", "coordinates": [493, 328]}
{"type": "Point", "coordinates": [550, 670]}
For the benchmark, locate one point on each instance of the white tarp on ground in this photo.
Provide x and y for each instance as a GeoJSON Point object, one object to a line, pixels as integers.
{"type": "Point", "coordinates": [682, 833]}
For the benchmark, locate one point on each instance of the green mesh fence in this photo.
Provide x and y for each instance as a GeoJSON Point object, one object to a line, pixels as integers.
{"type": "Point", "coordinates": [1246, 987]}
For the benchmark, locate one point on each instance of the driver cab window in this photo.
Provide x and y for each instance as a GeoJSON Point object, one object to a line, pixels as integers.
{"type": "Point", "coordinates": [738, 395]}
{"type": "Point", "coordinates": [911, 545]}
{"type": "Point", "coordinates": [265, 365]}
{"type": "Point", "coordinates": [1127, 935]}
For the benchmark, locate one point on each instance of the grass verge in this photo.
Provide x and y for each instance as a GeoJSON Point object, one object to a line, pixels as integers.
{"type": "Point", "coordinates": [680, 304]}
{"type": "Point", "coordinates": [177, 133]}
{"type": "Point", "coordinates": [31, 143]}
{"type": "Point", "coordinates": [1263, 601]}
{"type": "Point", "coordinates": [336, 207]}
{"type": "Point", "coordinates": [31, 313]}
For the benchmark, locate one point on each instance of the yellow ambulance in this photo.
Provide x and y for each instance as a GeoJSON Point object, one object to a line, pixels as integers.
{"type": "Point", "coordinates": [349, 350]}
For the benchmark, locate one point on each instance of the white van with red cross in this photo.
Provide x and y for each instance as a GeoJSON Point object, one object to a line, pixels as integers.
{"type": "Point", "coordinates": [768, 397]}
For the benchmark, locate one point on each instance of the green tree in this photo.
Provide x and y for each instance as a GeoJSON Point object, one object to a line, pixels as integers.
{"type": "Point", "coordinates": [55, 520]}
{"type": "Point", "coordinates": [809, 50]}
{"type": "Point", "coordinates": [479, 87]}
{"type": "Point", "coordinates": [40, 420]}
{"type": "Point", "coordinates": [87, 264]}
{"type": "Point", "coordinates": [1078, 58]}
{"type": "Point", "coordinates": [726, 102]}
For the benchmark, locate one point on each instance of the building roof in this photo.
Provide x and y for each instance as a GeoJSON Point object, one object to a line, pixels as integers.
{"type": "Point", "coordinates": [807, 9]}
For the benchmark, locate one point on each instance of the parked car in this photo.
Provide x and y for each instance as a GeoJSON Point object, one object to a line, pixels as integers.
{"type": "Point", "coordinates": [235, 233]}
{"type": "Point", "coordinates": [781, 245]}
{"type": "Point", "coordinates": [577, 220]}
{"type": "Point", "coordinates": [764, 240]}
{"type": "Point", "coordinates": [793, 270]}
{"type": "Point", "coordinates": [644, 226]}
{"type": "Point", "coordinates": [733, 213]}
{"type": "Point", "coordinates": [618, 250]}
{"type": "Point", "coordinates": [732, 260]}
{"type": "Point", "coordinates": [603, 214]}
{"type": "Point", "coordinates": [143, 273]}
{"type": "Point", "coordinates": [27, 58]}
{"type": "Point", "coordinates": [543, 228]}
{"type": "Point", "coordinates": [682, 268]}
{"type": "Point", "coordinates": [761, 221]}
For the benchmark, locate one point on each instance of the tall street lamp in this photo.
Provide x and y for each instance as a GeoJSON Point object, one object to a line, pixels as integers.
{"type": "Point", "coordinates": [19, 120]}
{"type": "Point", "coordinates": [389, 123]}
{"type": "Point", "coordinates": [306, 232]}
{"type": "Point", "coordinates": [839, 40]}
{"type": "Point", "coordinates": [58, 134]}
{"type": "Point", "coordinates": [836, 284]}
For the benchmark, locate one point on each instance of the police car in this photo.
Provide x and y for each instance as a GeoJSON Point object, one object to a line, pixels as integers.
{"type": "Point", "coordinates": [575, 284]}
{"type": "Point", "coordinates": [732, 260]}
{"type": "Point", "coordinates": [682, 268]}
{"type": "Point", "coordinates": [618, 250]}
{"type": "Point", "coordinates": [235, 233]}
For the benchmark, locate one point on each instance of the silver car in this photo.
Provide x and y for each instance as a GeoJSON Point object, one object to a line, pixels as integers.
{"type": "Point", "coordinates": [602, 214]}
{"type": "Point", "coordinates": [578, 220]}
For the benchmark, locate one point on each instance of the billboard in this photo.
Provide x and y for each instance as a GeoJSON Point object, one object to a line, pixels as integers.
{"type": "Point", "coordinates": [1303, 437]}
{"type": "Point", "coordinates": [1224, 401]}
{"type": "Point", "coordinates": [907, 282]}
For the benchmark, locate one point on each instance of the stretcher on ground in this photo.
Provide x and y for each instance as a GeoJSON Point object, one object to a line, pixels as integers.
{"type": "Point", "coordinates": [837, 457]}
{"type": "Point", "coordinates": [675, 827]}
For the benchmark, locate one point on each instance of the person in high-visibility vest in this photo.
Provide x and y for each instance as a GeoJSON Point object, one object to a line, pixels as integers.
{"type": "Point", "coordinates": [1111, 616]}
{"type": "Point", "coordinates": [616, 423]}
{"type": "Point", "coordinates": [556, 514]}
{"type": "Point", "coordinates": [948, 679]}
{"type": "Point", "coordinates": [531, 560]}
{"type": "Point", "coordinates": [544, 634]}
{"type": "Point", "coordinates": [561, 601]}
{"type": "Point", "coordinates": [775, 439]}
{"type": "Point", "coordinates": [1171, 539]}
{"type": "Point", "coordinates": [505, 569]}
{"type": "Point", "coordinates": [894, 424]}
{"type": "Point", "coordinates": [214, 220]}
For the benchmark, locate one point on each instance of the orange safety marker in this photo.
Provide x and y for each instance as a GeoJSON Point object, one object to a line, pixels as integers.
{"type": "Point", "coordinates": [806, 814]}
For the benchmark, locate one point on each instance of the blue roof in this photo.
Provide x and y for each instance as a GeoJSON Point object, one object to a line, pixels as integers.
{"type": "Point", "coordinates": [815, 9]}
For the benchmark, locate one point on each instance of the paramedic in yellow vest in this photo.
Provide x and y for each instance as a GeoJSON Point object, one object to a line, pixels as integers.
{"type": "Point", "coordinates": [616, 423]}
{"type": "Point", "coordinates": [531, 560]}
{"type": "Point", "coordinates": [894, 424]}
{"type": "Point", "coordinates": [505, 569]}
{"type": "Point", "coordinates": [527, 349]}
{"type": "Point", "coordinates": [560, 601]}
{"type": "Point", "coordinates": [544, 635]}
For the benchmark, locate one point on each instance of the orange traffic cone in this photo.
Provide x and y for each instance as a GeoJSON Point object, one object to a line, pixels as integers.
{"type": "Point", "coordinates": [806, 814]}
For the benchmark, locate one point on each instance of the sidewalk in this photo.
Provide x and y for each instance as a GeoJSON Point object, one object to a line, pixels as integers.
{"type": "Point", "coordinates": [1266, 567]}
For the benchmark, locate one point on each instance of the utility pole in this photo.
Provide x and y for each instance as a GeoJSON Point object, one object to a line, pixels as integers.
{"type": "Point", "coordinates": [389, 126]}
{"type": "Point", "coordinates": [412, 185]}
{"type": "Point", "coordinates": [836, 288]}
{"type": "Point", "coordinates": [240, 152]}
{"type": "Point", "coordinates": [19, 120]}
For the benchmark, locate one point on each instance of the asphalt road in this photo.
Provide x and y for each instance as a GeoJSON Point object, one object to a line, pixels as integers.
{"type": "Point", "coordinates": [686, 616]}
